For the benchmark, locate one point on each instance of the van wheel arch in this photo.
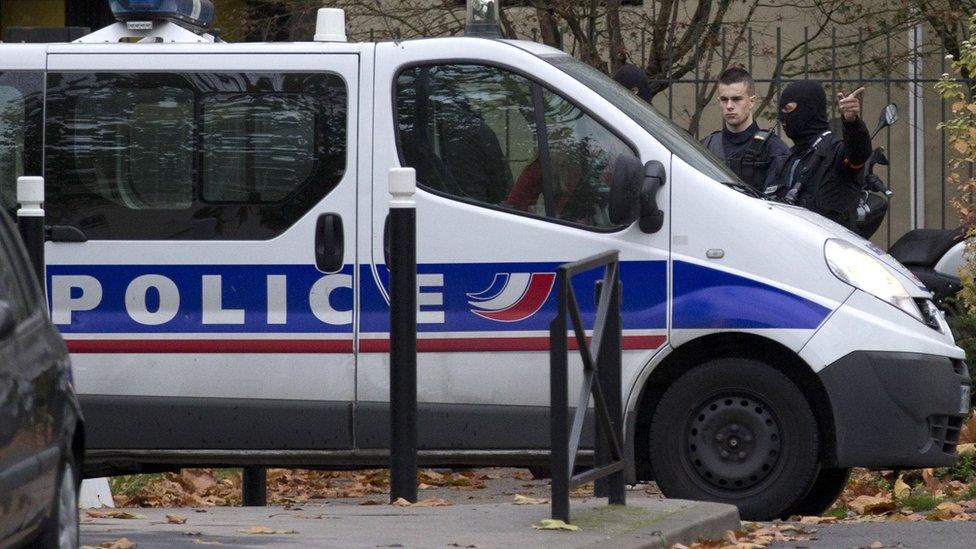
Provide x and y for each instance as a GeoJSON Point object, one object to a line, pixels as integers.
{"type": "Point", "coordinates": [730, 345]}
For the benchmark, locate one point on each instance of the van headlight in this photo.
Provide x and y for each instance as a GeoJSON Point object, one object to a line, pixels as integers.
{"type": "Point", "coordinates": [868, 274]}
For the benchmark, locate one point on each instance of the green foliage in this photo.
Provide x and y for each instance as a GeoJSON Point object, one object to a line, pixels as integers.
{"type": "Point", "coordinates": [837, 512]}
{"type": "Point", "coordinates": [963, 470]}
{"type": "Point", "coordinates": [920, 502]}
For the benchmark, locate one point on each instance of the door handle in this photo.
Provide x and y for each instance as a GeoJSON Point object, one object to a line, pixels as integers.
{"type": "Point", "coordinates": [64, 233]}
{"type": "Point", "coordinates": [329, 243]}
{"type": "Point", "coordinates": [386, 241]}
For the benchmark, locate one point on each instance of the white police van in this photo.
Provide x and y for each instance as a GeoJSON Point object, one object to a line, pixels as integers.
{"type": "Point", "coordinates": [194, 188]}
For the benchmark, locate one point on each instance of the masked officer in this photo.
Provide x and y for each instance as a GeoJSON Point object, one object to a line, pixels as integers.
{"type": "Point", "coordinates": [750, 152]}
{"type": "Point", "coordinates": [821, 171]}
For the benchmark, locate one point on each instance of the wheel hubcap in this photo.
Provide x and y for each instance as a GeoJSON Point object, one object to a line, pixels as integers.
{"type": "Point", "coordinates": [67, 510]}
{"type": "Point", "coordinates": [733, 442]}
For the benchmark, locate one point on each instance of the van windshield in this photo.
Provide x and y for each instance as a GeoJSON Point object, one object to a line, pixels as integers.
{"type": "Point", "coordinates": [676, 139]}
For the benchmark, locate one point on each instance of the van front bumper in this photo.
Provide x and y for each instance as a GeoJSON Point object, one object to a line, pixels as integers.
{"type": "Point", "coordinates": [895, 409]}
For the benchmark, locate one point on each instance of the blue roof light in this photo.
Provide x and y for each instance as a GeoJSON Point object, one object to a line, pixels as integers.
{"type": "Point", "coordinates": [194, 14]}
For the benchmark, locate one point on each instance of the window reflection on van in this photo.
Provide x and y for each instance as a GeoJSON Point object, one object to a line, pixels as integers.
{"type": "Point", "coordinates": [472, 132]}
{"type": "Point", "coordinates": [192, 156]}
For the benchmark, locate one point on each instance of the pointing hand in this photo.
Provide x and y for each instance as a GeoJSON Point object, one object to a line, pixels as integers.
{"type": "Point", "coordinates": [850, 105]}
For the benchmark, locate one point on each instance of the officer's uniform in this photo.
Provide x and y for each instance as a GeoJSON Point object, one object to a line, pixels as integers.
{"type": "Point", "coordinates": [753, 154]}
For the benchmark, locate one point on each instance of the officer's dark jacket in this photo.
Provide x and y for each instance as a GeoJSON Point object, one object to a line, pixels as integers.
{"type": "Point", "coordinates": [754, 161]}
{"type": "Point", "coordinates": [822, 175]}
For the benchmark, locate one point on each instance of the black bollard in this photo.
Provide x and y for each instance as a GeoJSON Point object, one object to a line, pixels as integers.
{"type": "Point", "coordinates": [30, 221]}
{"type": "Point", "coordinates": [254, 487]}
{"type": "Point", "coordinates": [403, 335]}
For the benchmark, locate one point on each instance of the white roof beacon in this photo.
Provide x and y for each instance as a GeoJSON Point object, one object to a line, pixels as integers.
{"type": "Point", "coordinates": [330, 25]}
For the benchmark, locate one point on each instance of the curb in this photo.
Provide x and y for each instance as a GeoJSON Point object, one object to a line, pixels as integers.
{"type": "Point", "coordinates": [698, 520]}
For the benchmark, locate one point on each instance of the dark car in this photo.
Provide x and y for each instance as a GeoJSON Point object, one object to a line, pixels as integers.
{"type": "Point", "coordinates": [41, 435]}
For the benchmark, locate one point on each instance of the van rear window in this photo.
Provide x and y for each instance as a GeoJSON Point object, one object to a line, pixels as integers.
{"type": "Point", "coordinates": [237, 156]}
{"type": "Point", "coordinates": [20, 122]}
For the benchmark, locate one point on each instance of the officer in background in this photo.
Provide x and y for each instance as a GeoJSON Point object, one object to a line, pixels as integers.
{"type": "Point", "coordinates": [750, 152]}
{"type": "Point", "coordinates": [821, 172]}
{"type": "Point", "coordinates": [634, 79]}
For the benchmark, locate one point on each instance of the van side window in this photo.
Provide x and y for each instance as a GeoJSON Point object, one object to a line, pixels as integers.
{"type": "Point", "coordinates": [21, 110]}
{"type": "Point", "coordinates": [235, 156]}
{"type": "Point", "coordinates": [473, 132]}
{"type": "Point", "coordinates": [256, 148]}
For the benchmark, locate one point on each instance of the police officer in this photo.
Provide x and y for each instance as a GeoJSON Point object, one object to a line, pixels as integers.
{"type": "Point", "coordinates": [821, 172]}
{"type": "Point", "coordinates": [750, 152]}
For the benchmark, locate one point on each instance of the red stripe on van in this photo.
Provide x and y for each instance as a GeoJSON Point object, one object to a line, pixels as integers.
{"type": "Point", "coordinates": [475, 344]}
{"type": "Point", "coordinates": [456, 344]}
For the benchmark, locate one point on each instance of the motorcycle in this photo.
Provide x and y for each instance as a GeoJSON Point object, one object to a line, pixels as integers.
{"type": "Point", "coordinates": [935, 256]}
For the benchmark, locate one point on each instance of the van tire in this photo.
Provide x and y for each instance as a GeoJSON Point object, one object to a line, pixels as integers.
{"type": "Point", "coordinates": [735, 431]}
{"type": "Point", "coordinates": [825, 491]}
{"type": "Point", "coordinates": [60, 527]}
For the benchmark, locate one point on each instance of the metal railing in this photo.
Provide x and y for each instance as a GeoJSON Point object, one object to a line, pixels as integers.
{"type": "Point", "coordinates": [601, 380]}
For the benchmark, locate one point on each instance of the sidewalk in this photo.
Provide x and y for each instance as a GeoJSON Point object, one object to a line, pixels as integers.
{"type": "Point", "coordinates": [644, 522]}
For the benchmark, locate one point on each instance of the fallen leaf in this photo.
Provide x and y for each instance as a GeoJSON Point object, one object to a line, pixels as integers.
{"type": "Point", "coordinates": [966, 449]}
{"type": "Point", "coordinates": [371, 502]}
{"type": "Point", "coordinates": [871, 505]}
{"type": "Point", "coordinates": [432, 502]}
{"type": "Point", "coordinates": [555, 524]}
{"type": "Point", "coordinates": [901, 490]}
{"type": "Point", "coordinates": [176, 519]}
{"type": "Point", "coordinates": [525, 500]}
{"type": "Point", "coordinates": [876, 545]}
{"type": "Point", "coordinates": [265, 530]}
{"type": "Point", "coordinates": [113, 513]}
{"type": "Point", "coordinates": [121, 543]}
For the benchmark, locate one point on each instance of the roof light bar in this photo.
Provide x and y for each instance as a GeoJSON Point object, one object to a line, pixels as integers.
{"type": "Point", "coordinates": [196, 15]}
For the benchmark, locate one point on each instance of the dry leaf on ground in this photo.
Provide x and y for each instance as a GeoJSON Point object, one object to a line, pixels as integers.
{"type": "Point", "coordinates": [176, 519]}
{"type": "Point", "coordinates": [526, 500]}
{"type": "Point", "coordinates": [121, 543]}
{"type": "Point", "coordinates": [113, 513]}
{"type": "Point", "coordinates": [871, 505]}
{"type": "Point", "coordinates": [265, 530]}
{"type": "Point", "coordinates": [901, 490]}
{"type": "Point", "coordinates": [555, 524]}
{"type": "Point", "coordinates": [432, 502]}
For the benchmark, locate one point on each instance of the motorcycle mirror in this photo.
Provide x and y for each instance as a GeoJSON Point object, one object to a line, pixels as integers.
{"type": "Point", "coordinates": [888, 116]}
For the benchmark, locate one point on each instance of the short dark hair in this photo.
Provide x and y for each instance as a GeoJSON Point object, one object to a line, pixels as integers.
{"type": "Point", "coordinates": [735, 75]}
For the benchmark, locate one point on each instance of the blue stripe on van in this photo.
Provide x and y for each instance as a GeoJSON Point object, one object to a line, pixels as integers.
{"type": "Point", "coordinates": [709, 298]}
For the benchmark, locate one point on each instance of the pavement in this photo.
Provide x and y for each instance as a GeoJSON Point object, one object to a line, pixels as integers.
{"type": "Point", "coordinates": [646, 521]}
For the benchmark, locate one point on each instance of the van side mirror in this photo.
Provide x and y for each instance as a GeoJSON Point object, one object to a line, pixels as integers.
{"type": "Point", "coordinates": [7, 320]}
{"type": "Point", "coordinates": [625, 187]}
{"type": "Point", "coordinates": [651, 216]}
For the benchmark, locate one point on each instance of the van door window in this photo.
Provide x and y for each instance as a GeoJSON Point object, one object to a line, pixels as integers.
{"type": "Point", "coordinates": [21, 108]}
{"type": "Point", "coordinates": [257, 148]}
{"type": "Point", "coordinates": [473, 132]}
{"type": "Point", "coordinates": [192, 156]}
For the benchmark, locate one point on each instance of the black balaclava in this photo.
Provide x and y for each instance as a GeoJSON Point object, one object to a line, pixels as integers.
{"type": "Point", "coordinates": [632, 76]}
{"type": "Point", "coordinates": [809, 118]}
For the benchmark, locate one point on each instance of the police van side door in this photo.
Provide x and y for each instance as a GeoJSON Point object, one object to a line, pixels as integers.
{"type": "Point", "coordinates": [194, 309]}
{"type": "Point", "coordinates": [466, 115]}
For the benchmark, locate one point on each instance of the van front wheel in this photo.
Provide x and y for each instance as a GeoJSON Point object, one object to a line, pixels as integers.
{"type": "Point", "coordinates": [735, 431]}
